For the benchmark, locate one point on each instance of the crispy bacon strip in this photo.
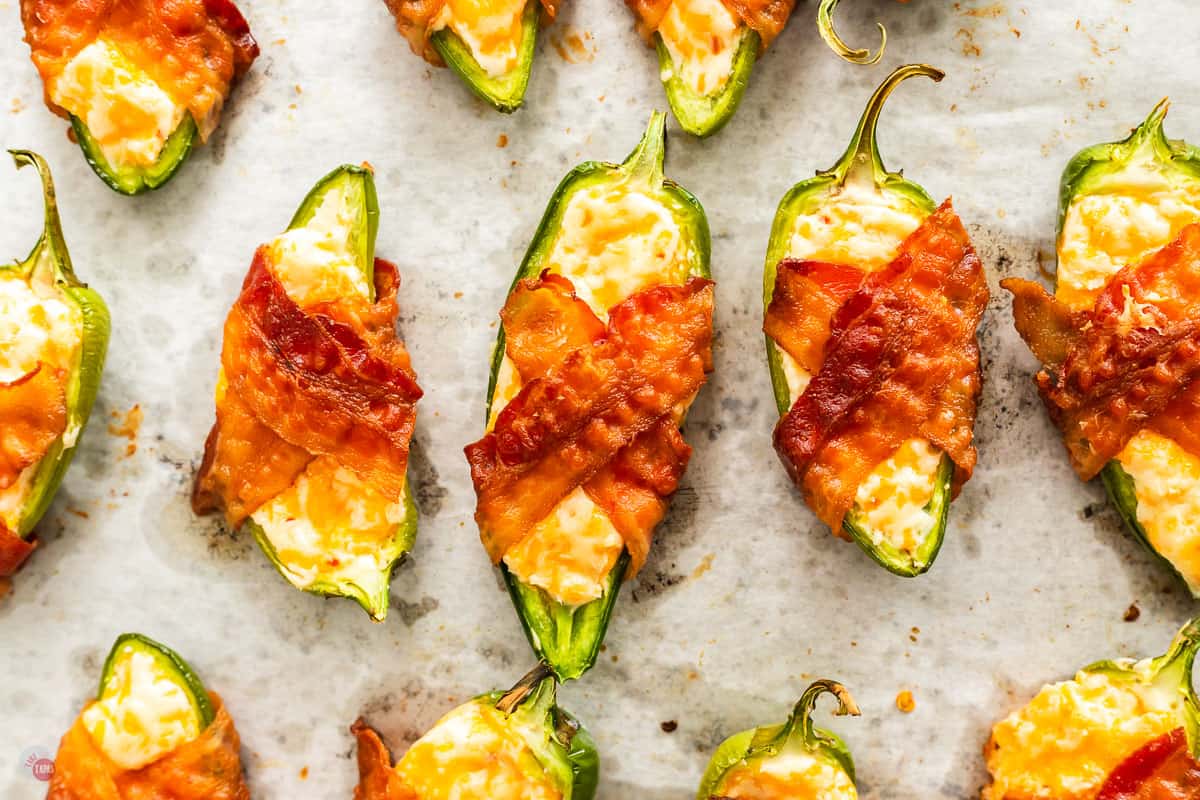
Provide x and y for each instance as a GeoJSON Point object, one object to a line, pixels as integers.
{"type": "Point", "coordinates": [33, 414]}
{"type": "Point", "coordinates": [415, 20]}
{"type": "Point", "coordinates": [596, 418]}
{"type": "Point", "coordinates": [207, 768]}
{"type": "Point", "coordinates": [1130, 362]}
{"type": "Point", "coordinates": [13, 551]}
{"type": "Point", "coordinates": [544, 321]}
{"type": "Point", "coordinates": [376, 778]}
{"type": "Point", "coordinates": [767, 17]}
{"type": "Point", "coordinates": [301, 384]}
{"type": "Point", "coordinates": [807, 295]}
{"type": "Point", "coordinates": [194, 49]}
{"type": "Point", "coordinates": [1163, 769]}
{"type": "Point", "coordinates": [899, 361]}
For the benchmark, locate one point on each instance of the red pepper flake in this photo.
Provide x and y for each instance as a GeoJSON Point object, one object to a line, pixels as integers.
{"type": "Point", "coordinates": [670, 726]}
{"type": "Point", "coordinates": [502, 140]}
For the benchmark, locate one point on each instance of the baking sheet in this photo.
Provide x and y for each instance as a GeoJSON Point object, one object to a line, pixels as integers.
{"type": "Point", "coordinates": [746, 597]}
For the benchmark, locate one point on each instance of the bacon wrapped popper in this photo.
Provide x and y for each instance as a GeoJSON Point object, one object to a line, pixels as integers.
{"type": "Point", "coordinates": [316, 403]}
{"type": "Point", "coordinates": [606, 339]}
{"type": "Point", "coordinates": [1120, 730]}
{"type": "Point", "coordinates": [707, 49]}
{"type": "Point", "coordinates": [1120, 339]}
{"type": "Point", "coordinates": [514, 745]}
{"type": "Point", "coordinates": [53, 340]}
{"type": "Point", "coordinates": [140, 80]}
{"type": "Point", "coordinates": [873, 295]}
{"type": "Point", "coordinates": [794, 760]}
{"type": "Point", "coordinates": [488, 43]}
{"type": "Point", "coordinates": [152, 733]}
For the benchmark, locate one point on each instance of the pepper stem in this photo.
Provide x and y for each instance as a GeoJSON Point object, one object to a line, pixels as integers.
{"type": "Point", "coordinates": [801, 720]}
{"type": "Point", "coordinates": [1150, 132]}
{"type": "Point", "coordinates": [863, 151]}
{"type": "Point", "coordinates": [530, 683]}
{"type": "Point", "coordinates": [646, 161]}
{"type": "Point", "coordinates": [52, 233]}
{"type": "Point", "coordinates": [835, 42]}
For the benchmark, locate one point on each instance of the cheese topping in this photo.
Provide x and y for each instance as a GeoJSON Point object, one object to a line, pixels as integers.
{"type": "Point", "coordinates": [36, 325]}
{"type": "Point", "coordinates": [864, 227]}
{"type": "Point", "coordinates": [144, 713]}
{"type": "Point", "coordinates": [129, 115]}
{"type": "Point", "coordinates": [1073, 734]}
{"type": "Point", "coordinates": [491, 30]}
{"type": "Point", "coordinates": [1166, 480]}
{"type": "Point", "coordinates": [329, 524]}
{"type": "Point", "coordinates": [315, 262]}
{"type": "Point", "coordinates": [701, 37]}
{"type": "Point", "coordinates": [1134, 213]}
{"type": "Point", "coordinates": [570, 552]}
{"type": "Point", "coordinates": [474, 753]}
{"type": "Point", "coordinates": [614, 242]}
{"type": "Point", "coordinates": [788, 776]}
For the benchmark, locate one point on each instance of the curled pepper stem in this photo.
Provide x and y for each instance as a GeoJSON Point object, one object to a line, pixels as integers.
{"type": "Point", "coordinates": [529, 684]}
{"type": "Point", "coordinates": [829, 34]}
{"type": "Point", "coordinates": [801, 720]}
{"type": "Point", "coordinates": [52, 234]}
{"type": "Point", "coordinates": [863, 150]}
{"type": "Point", "coordinates": [645, 163]}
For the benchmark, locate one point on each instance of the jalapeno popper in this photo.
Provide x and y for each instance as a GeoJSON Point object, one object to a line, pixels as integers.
{"type": "Point", "coordinates": [1118, 731]}
{"type": "Point", "coordinates": [488, 43]}
{"type": "Point", "coordinates": [140, 80]}
{"type": "Point", "coordinates": [707, 49]}
{"type": "Point", "coordinates": [1120, 339]}
{"type": "Point", "coordinates": [53, 339]}
{"type": "Point", "coordinates": [153, 731]}
{"type": "Point", "coordinates": [781, 762]}
{"type": "Point", "coordinates": [514, 745]}
{"type": "Point", "coordinates": [606, 339]}
{"type": "Point", "coordinates": [316, 402]}
{"type": "Point", "coordinates": [873, 294]}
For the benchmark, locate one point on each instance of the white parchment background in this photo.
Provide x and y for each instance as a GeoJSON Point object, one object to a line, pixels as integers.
{"type": "Point", "coordinates": [746, 597]}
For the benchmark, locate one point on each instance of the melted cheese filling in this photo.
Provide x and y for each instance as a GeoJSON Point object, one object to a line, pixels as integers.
{"type": "Point", "coordinates": [613, 242]}
{"type": "Point", "coordinates": [701, 37]}
{"type": "Point", "coordinates": [473, 753]}
{"type": "Point", "coordinates": [864, 227]}
{"type": "Point", "coordinates": [1166, 480]}
{"type": "Point", "coordinates": [1073, 734]}
{"type": "Point", "coordinates": [143, 715]}
{"type": "Point", "coordinates": [491, 30]}
{"type": "Point", "coordinates": [788, 776]}
{"type": "Point", "coordinates": [129, 115]}
{"type": "Point", "coordinates": [36, 325]}
{"type": "Point", "coordinates": [329, 524]}
{"type": "Point", "coordinates": [1134, 214]}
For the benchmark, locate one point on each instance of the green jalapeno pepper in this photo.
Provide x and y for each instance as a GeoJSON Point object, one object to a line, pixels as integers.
{"type": "Point", "coordinates": [1142, 168]}
{"type": "Point", "coordinates": [47, 271]}
{"type": "Point", "coordinates": [568, 638]}
{"type": "Point", "coordinates": [167, 665]}
{"type": "Point", "coordinates": [704, 114]}
{"type": "Point", "coordinates": [796, 754]}
{"type": "Point", "coordinates": [355, 187]}
{"type": "Point", "coordinates": [506, 92]}
{"type": "Point", "coordinates": [860, 177]}
{"type": "Point", "coordinates": [852, 54]}
{"type": "Point", "coordinates": [132, 179]}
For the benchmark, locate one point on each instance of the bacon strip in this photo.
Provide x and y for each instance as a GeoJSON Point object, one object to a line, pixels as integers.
{"type": "Point", "coordinates": [807, 294]}
{"type": "Point", "coordinates": [570, 425]}
{"type": "Point", "coordinates": [301, 384]}
{"type": "Point", "coordinates": [376, 778]}
{"type": "Point", "coordinates": [1163, 769]}
{"type": "Point", "coordinates": [207, 768]}
{"type": "Point", "coordinates": [900, 361]}
{"type": "Point", "coordinates": [415, 18]}
{"type": "Point", "coordinates": [194, 49]}
{"type": "Point", "coordinates": [13, 552]}
{"type": "Point", "coordinates": [544, 321]}
{"type": "Point", "coordinates": [33, 414]}
{"type": "Point", "coordinates": [766, 17]}
{"type": "Point", "coordinates": [1131, 362]}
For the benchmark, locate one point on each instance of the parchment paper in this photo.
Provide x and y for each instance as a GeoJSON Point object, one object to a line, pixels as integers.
{"type": "Point", "coordinates": [746, 597]}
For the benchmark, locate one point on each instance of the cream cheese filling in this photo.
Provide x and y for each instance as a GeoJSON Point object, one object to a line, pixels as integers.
{"type": "Point", "coordinates": [792, 775]}
{"type": "Point", "coordinates": [491, 30]}
{"type": "Point", "coordinates": [702, 37]}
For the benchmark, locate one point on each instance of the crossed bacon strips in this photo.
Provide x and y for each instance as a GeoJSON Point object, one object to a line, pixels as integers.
{"type": "Point", "coordinates": [1128, 363]}
{"type": "Point", "coordinates": [599, 407]}
{"type": "Point", "coordinates": [206, 768]}
{"type": "Point", "coordinates": [331, 380]}
{"type": "Point", "coordinates": [766, 17]}
{"type": "Point", "coordinates": [893, 357]}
